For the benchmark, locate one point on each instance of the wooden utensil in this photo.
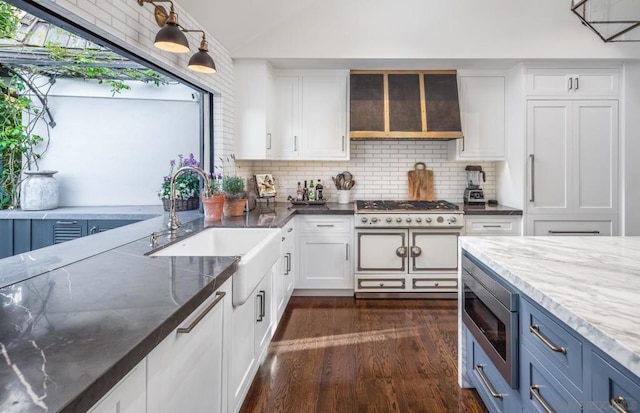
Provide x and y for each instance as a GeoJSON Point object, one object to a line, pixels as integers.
{"type": "Point", "coordinates": [420, 183]}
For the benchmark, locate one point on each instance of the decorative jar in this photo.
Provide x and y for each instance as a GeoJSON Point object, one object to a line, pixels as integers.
{"type": "Point", "coordinates": [39, 191]}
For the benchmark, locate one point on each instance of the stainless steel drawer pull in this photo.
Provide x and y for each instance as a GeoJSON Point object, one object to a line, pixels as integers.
{"type": "Point", "coordinates": [347, 251]}
{"type": "Point", "coordinates": [570, 83]}
{"type": "Point", "coordinates": [619, 404]}
{"type": "Point", "coordinates": [290, 229]}
{"type": "Point", "coordinates": [574, 232]}
{"type": "Point", "coordinates": [532, 157]}
{"type": "Point", "coordinates": [535, 330]}
{"type": "Point", "coordinates": [488, 385]}
{"type": "Point", "coordinates": [288, 263]}
{"type": "Point", "coordinates": [534, 392]}
{"type": "Point", "coordinates": [577, 83]}
{"type": "Point", "coordinates": [268, 141]}
{"type": "Point", "coordinates": [492, 226]}
{"type": "Point", "coordinates": [295, 144]}
{"type": "Point", "coordinates": [66, 222]}
{"type": "Point", "coordinates": [325, 225]}
{"type": "Point", "coordinates": [187, 329]}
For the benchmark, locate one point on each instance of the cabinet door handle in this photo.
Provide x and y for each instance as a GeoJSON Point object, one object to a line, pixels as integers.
{"type": "Point", "coordinates": [187, 329]}
{"type": "Point", "coordinates": [347, 251]}
{"type": "Point", "coordinates": [288, 263]}
{"type": "Point", "coordinates": [532, 159]}
{"type": "Point", "coordinates": [66, 222]}
{"type": "Point", "coordinates": [492, 226]}
{"type": "Point", "coordinates": [577, 83]}
{"type": "Point", "coordinates": [570, 83]}
{"type": "Point", "coordinates": [535, 330]}
{"type": "Point", "coordinates": [534, 392]}
{"type": "Point", "coordinates": [342, 143]}
{"type": "Point", "coordinates": [619, 404]}
{"type": "Point", "coordinates": [295, 143]}
{"type": "Point", "coordinates": [416, 251]}
{"type": "Point", "coordinates": [325, 225]}
{"type": "Point", "coordinates": [401, 252]}
{"type": "Point", "coordinates": [488, 385]}
{"type": "Point", "coordinates": [595, 232]}
{"type": "Point", "coordinates": [261, 295]}
{"type": "Point", "coordinates": [268, 141]}
{"type": "Point", "coordinates": [290, 229]}
{"type": "Point", "coordinates": [93, 230]}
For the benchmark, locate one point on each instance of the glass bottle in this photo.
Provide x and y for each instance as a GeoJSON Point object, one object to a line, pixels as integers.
{"type": "Point", "coordinates": [319, 189]}
{"type": "Point", "coordinates": [312, 191]}
{"type": "Point", "coordinates": [305, 192]}
{"type": "Point", "coordinates": [299, 192]}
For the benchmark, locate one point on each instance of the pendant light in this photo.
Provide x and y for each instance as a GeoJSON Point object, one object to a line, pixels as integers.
{"type": "Point", "coordinates": [170, 38]}
{"type": "Point", "coordinates": [611, 20]}
{"type": "Point", "coordinates": [201, 61]}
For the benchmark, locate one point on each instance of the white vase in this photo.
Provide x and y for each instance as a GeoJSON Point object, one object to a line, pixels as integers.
{"type": "Point", "coordinates": [343, 196]}
{"type": "Point", "coordinates": [39, 191]}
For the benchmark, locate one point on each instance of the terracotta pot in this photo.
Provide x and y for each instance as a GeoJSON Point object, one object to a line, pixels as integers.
{"type": "Point", "coordinates": [234, 207]}
{"type": "Point", "coordinates": [213, 207]}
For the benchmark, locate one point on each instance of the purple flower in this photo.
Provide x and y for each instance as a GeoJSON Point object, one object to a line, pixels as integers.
{"type": "Point", "coordinates": [172, 163]}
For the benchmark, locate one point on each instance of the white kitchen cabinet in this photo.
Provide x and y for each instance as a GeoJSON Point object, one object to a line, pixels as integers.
{"type": "Point", "coordinates": [185, 371]}
{"type": "Point", "coordinates": [128, 396]}
{"type": "Point", "coordinates": [251, 329]}
{"type": "Point", "coordinates": [493, 225]}
{"type": "Point", "coordinates": [573, 83]}
{"type": "Point", "coordinates": [284, 276]}
{"type": "Point", "coordinates": [553, 225]}
{"type": "Point", "coordinates": [254, 119]}
{"type": "Point", "coordinates": [572, 163]}
{"type": "Point", "coordinates": [483, 116]}
{"type": "Point", "coordinates": [325, 251]}
{"type": "Point", "coordinates": [311, 121]}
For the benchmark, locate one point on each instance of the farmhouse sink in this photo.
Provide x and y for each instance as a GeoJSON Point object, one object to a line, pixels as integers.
{"type": "Point", "coordinates": [258, 248]}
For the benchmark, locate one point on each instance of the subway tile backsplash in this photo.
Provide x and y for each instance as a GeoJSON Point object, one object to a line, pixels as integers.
{"type": "Point", "coordinates": [379, 169]}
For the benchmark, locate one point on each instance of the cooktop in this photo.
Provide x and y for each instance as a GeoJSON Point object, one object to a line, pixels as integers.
{"type": "Point", "coordinates": [405, 206]}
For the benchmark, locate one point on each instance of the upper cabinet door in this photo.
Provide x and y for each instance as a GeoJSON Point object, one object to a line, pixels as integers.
{"type": "Point", "coordinates": [324, 117]}
{"type": "Point", "coordinates": [483, 115]}
{"type": "Point", "coordinates": [573, 83]}
{"type": "Point", "coordinates": [287, 139]}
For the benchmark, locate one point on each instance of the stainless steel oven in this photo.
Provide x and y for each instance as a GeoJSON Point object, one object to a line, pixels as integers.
{"type": "Point", "coordinates": [490, 312]}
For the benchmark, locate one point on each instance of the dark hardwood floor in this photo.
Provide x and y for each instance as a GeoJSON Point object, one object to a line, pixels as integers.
{"type": "Point", "coordinates": [338, 354]}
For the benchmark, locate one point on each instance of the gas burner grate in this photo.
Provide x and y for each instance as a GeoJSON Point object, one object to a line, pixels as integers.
{"type": "Point", "coordinates": [404, 205]}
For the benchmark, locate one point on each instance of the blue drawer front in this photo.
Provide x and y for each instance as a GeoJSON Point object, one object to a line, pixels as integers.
{"type": "Point", "coordinates": [567, 364]}
{"type": "Point", "coordinates": [546, 387]}
{"type": "Point", "coordinates": [478, 363]}
{"type": "Point", "coordinates": [610, 383]}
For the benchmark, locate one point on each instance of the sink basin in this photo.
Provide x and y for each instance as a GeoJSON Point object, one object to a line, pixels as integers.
{"type": "Point", "coordinates": [258, 248]}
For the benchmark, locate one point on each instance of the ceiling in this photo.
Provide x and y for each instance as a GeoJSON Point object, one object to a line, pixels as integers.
{"type": "Point", "coordinates": [402, 33]}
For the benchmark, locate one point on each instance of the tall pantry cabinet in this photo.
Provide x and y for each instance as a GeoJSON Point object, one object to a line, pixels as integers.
{"type": "Point", "coordinates": [572, 166]}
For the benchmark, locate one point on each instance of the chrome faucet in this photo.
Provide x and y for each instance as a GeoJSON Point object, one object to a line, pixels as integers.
{"type": "Point", "coordinates": [174, 224]}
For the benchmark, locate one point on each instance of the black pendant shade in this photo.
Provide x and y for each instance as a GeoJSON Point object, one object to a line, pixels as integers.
{"type": "Point", "coordinates": [171, 39]}
{"type": "Point", "coordinates": [202, 61]}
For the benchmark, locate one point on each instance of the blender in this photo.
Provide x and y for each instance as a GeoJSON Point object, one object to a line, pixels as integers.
{"type": "Point", "coordinates": [473, 194]}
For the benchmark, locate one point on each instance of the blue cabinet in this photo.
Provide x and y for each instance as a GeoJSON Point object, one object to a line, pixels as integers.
{"type": "Point", "coordinates": [55, 231]}
{"type": "Point", "coordinates": [6, 238]}
{"type": "Point", "coordinates": [610, 386]}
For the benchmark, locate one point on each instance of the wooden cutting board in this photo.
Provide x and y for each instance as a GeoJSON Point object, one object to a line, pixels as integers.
{"type": "Point", "coordinates": [420, 183]}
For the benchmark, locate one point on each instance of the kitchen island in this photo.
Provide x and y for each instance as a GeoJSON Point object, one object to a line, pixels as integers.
{"type": "Point", "coordinates": [588, 286]}
{"type": "Point", "coordinates": [76, 317]}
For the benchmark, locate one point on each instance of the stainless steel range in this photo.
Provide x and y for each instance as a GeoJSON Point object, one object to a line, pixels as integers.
{"type": "Point", "coordinates": [407, 247]}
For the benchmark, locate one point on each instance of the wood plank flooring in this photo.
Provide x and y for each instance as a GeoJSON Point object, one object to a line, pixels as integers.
{"type": "Point", "coordinates": [338, 354]}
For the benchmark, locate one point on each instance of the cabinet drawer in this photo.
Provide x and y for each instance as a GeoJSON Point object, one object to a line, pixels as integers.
{"type": "Point", "coordinates": [435, 284]}
{"type": "Point", "coordinates": [487, 379]}
{"type": "Point", "coordinates": [562, 352]}
{"type": "Point", "coordinates": [492, 226]}
{"type": "Point", "coordinates": [572, 228]}
{"type": "Point", "coordinates": [540, 388]}
{"type": "Point", "coordinates": [324, 224]}
{"type": "Point", "coordinates": [609, 385]}
{"type": "Point", "coordinates": [381, 283]}
{"type": "Point", "coordinates": [573, 82]}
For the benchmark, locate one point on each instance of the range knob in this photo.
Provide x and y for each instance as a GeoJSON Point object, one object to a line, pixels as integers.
{"type": "Point", "coordinates": [418, 219]}
{"type": "Point", "coordinates": [452, 220]}
{"type": "Point", "coordinates": [408, 219]}
{"type": "Point", "coordinates": [374, 220]}
{"type": "Point", "coordinates": [398, 219]}
{"type": "Point", "coordinates": [427, 220]}
{"type": "Point", "coordinates": [389, 219]}
{"type": "Point", "coordinates": [363, 219]}
{"type": "Point", "coordinates": [440, 220]}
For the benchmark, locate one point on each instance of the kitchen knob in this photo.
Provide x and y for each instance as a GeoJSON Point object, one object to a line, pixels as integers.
{"type": "Point", "coordinates": [389, 219]}
{"type": "Point", "coordinates": [408, 219]}
{"type": "Point", "coordinates": [440, 220]}
{"type": "Point", "coordinates": [418, 219]}
{"type": "Point", "coordinates": [427, 220]}
{"type": "Point", "coordinates": [398, 219]}
{"type": "Point", "coordinates": [452, 220]}
{"type": "Point", "coordinates": [363, 219]}
{"type": "Point", "coordinates": [374, 220]}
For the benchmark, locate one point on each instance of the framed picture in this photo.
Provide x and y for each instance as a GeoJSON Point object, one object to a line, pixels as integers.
{"type": "Point", "coordinates": [266, 185]}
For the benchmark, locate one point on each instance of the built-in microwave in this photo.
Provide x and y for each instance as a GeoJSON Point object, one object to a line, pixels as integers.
{"type": "Point", "coordinates": [490, 312]}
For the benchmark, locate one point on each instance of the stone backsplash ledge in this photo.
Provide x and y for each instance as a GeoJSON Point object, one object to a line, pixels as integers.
{"type": "Point", "coordinates": [380, 170]}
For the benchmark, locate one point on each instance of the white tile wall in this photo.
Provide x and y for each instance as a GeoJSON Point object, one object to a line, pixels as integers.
{"type": "Point", "coordinates": [380, 170]}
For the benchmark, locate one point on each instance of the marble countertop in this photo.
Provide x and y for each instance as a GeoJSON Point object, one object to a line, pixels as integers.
{"type": "Point", "coordinates": [592, 284]}
{"type": "Point", "coordinates": [77, 316]}
{"type": "Point", "coordinates": [88, 212]}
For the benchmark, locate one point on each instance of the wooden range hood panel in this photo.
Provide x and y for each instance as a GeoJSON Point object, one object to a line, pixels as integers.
{"type": "Point", "coordinates": [404, 104]}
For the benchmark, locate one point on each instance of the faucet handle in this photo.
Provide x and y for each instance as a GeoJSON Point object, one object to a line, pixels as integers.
{"type": "Point", "coordinates": [154, 239]}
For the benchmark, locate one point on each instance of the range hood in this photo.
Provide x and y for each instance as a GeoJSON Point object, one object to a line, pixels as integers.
{"type": "Point", "coordinates": [403, 104]}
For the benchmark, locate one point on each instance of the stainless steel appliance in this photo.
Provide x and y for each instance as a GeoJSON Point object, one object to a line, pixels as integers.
{"type": "Point", "coordinates": [473, 193]}
{"type": "Point", "coordinates": [406, 248]}
{"type": "Point", "coordinates": [490, 312]}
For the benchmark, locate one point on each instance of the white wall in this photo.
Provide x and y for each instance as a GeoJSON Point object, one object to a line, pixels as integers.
{"type": "Point", "coordinates": [631, 149]}
{"type": "Point", "coordinates": [115, 150]}
{"type": "Point", "coordinates": [380, 170]}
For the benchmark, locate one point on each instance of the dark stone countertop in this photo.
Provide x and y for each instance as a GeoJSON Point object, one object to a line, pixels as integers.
{"type": "Point", "coordinates": [491, 210]}
{"type": "Point", "coordinates": [77, 316]}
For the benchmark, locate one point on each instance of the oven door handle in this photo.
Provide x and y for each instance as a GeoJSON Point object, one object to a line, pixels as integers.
{"type": "Point", "coordinates": [416, 251]}
{"type": "Point", "coordinates": [401, 252]}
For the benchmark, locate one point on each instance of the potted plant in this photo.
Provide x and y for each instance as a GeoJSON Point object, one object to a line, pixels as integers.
{"type": "Point", "coordinates": [187, 185]}
{"type": "Point", "coordinates": [235, 196]}
{"type": "Point", "coordinates": [214, 203]}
